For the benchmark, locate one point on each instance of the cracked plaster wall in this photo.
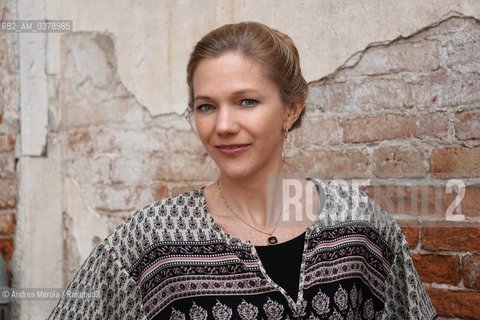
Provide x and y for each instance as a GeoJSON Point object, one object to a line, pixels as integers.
{"type": "Point", "coordinates": [115, 89]}
{"type": "Point", "coordinates": [153, 39]}
{"type": "Point", "coordinates": [116, 156]}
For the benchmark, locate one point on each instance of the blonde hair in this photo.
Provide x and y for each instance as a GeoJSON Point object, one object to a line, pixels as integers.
{"type": "Point", "coordinates": [273, 49]}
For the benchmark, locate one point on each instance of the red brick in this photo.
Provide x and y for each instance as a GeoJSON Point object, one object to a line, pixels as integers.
{"type": "Point", "coordinates": [329, 96]}
{"type": "Point", "coordinates": [7, 142]}
{"type": "Point", "coordinates": [471, 271]}
{"type": "Point", "coordinates": [7, 224]}
{"type": "Point", "coordinates": [456, 303]}
{"type": "Point", "coordinates": [377, 128]}
{"type": "Point", "coordinates": [449, 89]}
{"type": "Point", "coordinates": [464, 50]}
{"type": "Point", "coordinates": [452, 236]}
{"type": "Point", "coordinates": [10, 142]}
{"type": "Point", "coordinates": [411, 230]}
{"type": "Point", "coordinates": [455, 162]}
{"type": "Point", "coordinates": [410, 199]}
{"type": "Point", "coordinates": [330, 164]}
{"type": "Point", "coordinates": [8, 194]}
{"type": "Point", "coordinates": [161, 191]}
{"type": "Point", "coordinates": [469, 204]}
{"type": "Point", "coordinates": [379, 94]}
{"type": "Point", "coordinates": [80, 143]}
{"type": "Point", "coordinates": [438, 268]}
{"type": "Point", "coordinates": [394, 126]}
{"type": "Point", "coordinates": [432, 125]}
{"type": "Point", "coordinates": [6, 248]}
{"type": "Point", "coordinates": [423, 199]}
{"type": "Point", "coordinates": [467, 125]}
{"type": "Point", "coordinates": [359, 96]}
{"type": "Point", "coordinates": [320, 131]}
{"type": "Point", "coordinates": [7, 165]}
{"type": "Point", "coordinates": [399, 162]}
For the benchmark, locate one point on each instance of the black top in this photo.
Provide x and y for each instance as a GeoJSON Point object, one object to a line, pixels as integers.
{"type": "Point", "coordinates": [282, 263]}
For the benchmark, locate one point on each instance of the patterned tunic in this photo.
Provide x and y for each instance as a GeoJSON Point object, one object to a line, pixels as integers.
{"type": "Point", "coordinates": [170, 260]}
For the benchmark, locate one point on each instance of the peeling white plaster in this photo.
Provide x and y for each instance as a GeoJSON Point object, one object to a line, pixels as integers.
{"type": "Point", "coordinates": [33, 82]}
{"type": "Point", "coordinates": [87, 225]}
{"type": "Point", "coordinates": [153, 39]}
{"type": "Point", "coordinates": [38, 258]}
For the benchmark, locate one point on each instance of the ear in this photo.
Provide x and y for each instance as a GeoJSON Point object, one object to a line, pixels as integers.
{"type": "Point", "coordinates": [293, 111]}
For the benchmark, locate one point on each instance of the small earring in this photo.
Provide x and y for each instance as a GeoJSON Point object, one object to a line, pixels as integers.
{"type": "Point", "coordinates": [285, 134]}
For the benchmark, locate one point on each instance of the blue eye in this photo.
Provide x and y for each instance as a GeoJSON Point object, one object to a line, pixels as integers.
{"type": "Point", "coordinates": [205, 107]}
{"type": "Point", "coordinates": [249, 102]}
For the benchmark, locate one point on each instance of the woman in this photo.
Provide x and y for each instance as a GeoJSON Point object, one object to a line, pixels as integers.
{"type": "Point", "coordinates": [230, 250]}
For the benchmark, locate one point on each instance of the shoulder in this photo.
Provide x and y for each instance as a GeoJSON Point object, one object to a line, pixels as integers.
{"type": "Point", "coordinates": [344, 203]}
{"type": "Point", "coordinates": [171, 220]}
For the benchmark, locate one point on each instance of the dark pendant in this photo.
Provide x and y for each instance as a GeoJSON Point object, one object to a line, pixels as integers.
{"type": "Point", "coordinates": [272, 240]}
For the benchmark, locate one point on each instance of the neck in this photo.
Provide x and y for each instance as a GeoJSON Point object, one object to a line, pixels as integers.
{"type": "Point", "coordinates": [253, 198]}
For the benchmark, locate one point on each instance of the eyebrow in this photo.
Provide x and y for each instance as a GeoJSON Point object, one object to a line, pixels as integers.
{"type": "Point", "coordinates": [201, 98]}
{"type": "Point", "coordinates": [236, 93]}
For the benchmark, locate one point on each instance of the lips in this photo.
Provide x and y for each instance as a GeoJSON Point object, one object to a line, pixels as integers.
{"type": "Point", "coordinates": [232, 149]}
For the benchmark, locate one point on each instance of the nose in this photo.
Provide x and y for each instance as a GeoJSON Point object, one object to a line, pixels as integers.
{"type": "Point", "coordinates": [226, 121]}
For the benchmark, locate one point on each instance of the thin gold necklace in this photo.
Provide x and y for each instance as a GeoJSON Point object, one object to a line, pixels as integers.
{"type": "Point", "coordinates": [272, 240]}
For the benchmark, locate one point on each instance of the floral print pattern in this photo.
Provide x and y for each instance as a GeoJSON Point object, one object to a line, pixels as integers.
{"type": "Point", "coordinates": [170, 260]}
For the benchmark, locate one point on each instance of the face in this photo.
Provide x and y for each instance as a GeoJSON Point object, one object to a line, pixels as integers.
{"type": "Point", "coordinates": [239, 115]}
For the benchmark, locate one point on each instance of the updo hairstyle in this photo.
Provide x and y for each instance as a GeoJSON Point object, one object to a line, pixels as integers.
{"type": "Point", "coordinates": [271, 48]}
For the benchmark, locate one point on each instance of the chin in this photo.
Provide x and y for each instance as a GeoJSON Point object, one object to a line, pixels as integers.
{"type": "Point", "coordinates": [236, 173]}
{"type": "Point", "coordinates": [242, 169]}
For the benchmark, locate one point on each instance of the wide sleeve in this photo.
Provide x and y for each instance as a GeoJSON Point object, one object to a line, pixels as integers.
{"type": "Point", "coordinates": [406, 297]}
{"type": "Point", "coordinates": [101, 289]}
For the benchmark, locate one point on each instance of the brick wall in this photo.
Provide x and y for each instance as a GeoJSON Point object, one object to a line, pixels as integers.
{"type": "Point", "coordinates": [9, 129]}
{"type": "Point", "coordinates": [403, 114]}
{"type": "Point", "coordinates": [406, 115]}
